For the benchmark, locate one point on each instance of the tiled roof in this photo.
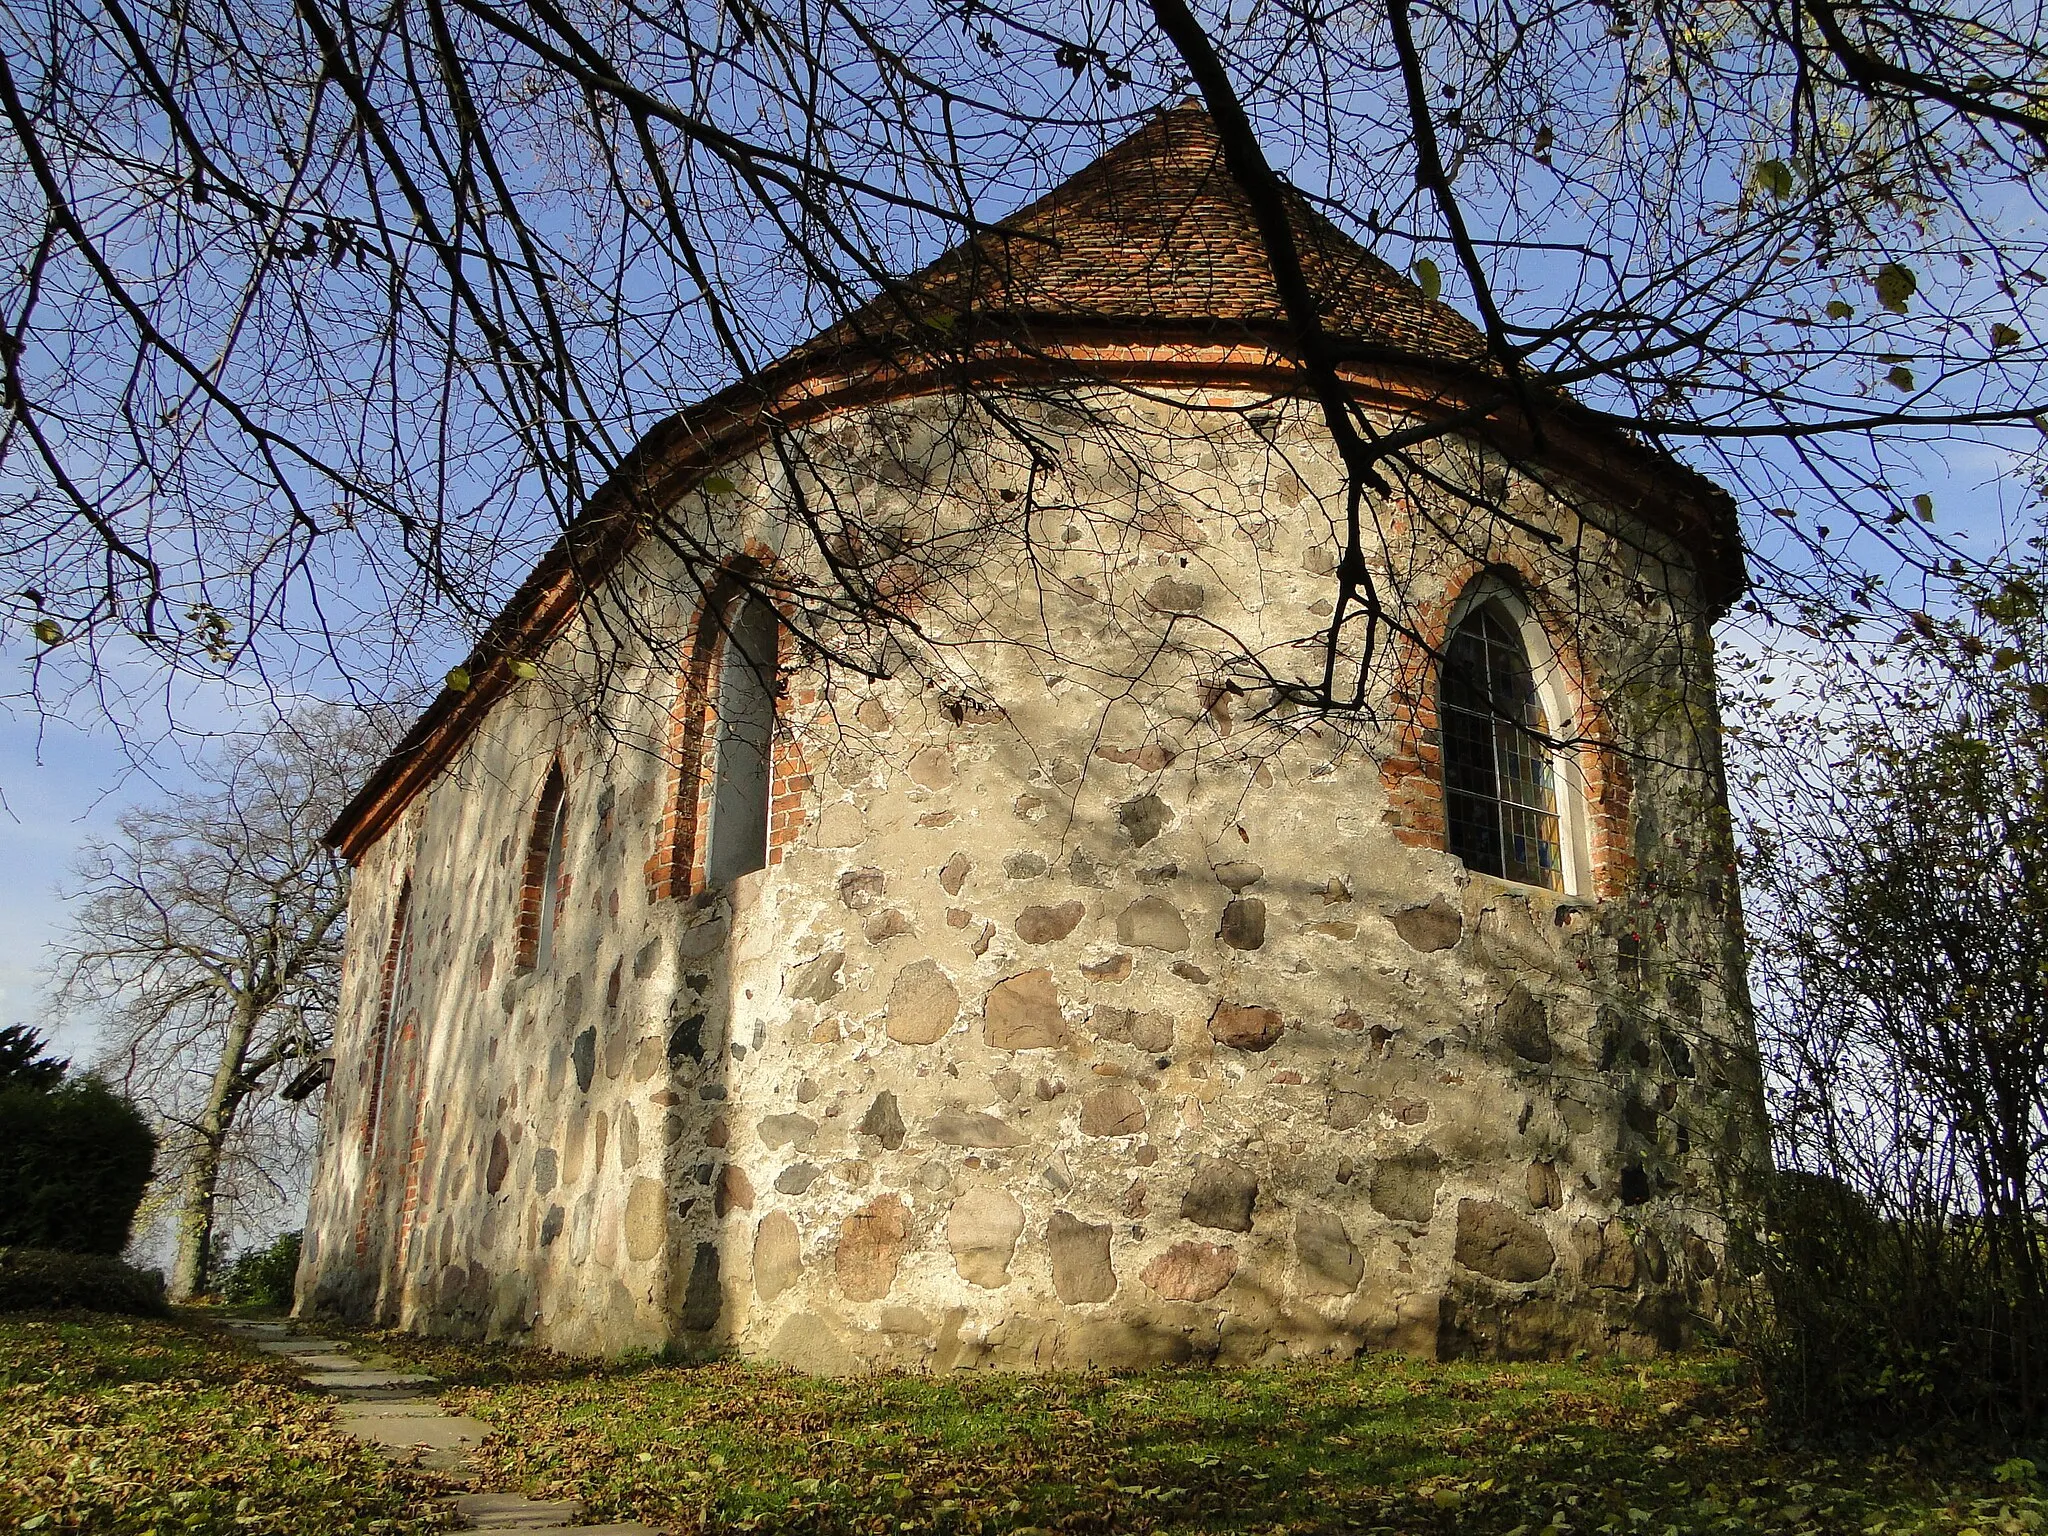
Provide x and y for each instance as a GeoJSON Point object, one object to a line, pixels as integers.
{"type": "Point", "coordinates": [1157, 231]}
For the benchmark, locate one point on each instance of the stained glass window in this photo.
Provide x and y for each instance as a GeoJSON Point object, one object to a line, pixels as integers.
{"type": "Point", "coordinates": [397, 983]}
{"type": "Point", "coordinates": [551, 874]}
{"type": "Point", "coordinates": [1500, 791]}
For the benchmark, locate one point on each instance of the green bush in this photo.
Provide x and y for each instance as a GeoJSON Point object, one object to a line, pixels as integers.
{"type": "Point", "coordinates": [263, 1277]}
{"type": "Point", "coordinates": [43, 1280]}
{"type": "Point", "coordinates": [74, 1162]}
{"type": "Point", "coordinates": [1892, 1325]}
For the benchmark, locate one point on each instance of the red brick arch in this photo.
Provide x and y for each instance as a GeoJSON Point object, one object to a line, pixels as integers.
{"type": "Point", "coordinates": [676, 868]}
{"type": "Point", "coordinates": [390, 1039]}
{"type": "Point", "coordinates": [1412, 771]}
{"type": "Point", "coordinates": [554, 790]}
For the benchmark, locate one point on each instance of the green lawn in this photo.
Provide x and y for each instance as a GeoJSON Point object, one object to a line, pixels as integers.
{"type": "Point", "coordinates": [1386, 1445]}
{"type": "Point", "coordinates": [123, 1426]}
{"type": "Point", "coordinates": [115, 1424]}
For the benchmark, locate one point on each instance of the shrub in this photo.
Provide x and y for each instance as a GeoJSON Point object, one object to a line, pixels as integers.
{"type": "Point", "coordinates": [43, 1280]}
{"type": "Point", "coordinates": [74, 1162]}
{"type": "Point", "coordinates": [1891, 1325]}
{"type": "Point", "coordinates": [263, 1277]}
{"type": "Point", "coordinates": [1897, 897]}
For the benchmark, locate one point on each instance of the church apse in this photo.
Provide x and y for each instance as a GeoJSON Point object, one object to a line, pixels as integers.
{"type": "Point", "coordinates": [1066, 986]}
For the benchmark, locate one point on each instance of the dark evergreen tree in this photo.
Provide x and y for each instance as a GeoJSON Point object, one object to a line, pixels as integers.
{"type": "Point", "coordinates": [24, 1061]}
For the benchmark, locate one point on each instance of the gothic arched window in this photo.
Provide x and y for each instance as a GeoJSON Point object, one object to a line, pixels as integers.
{"type": "Point", "coordinates": [741, 751]}
{"type": "Point", "coordinates": [545, 875]}
{"type": "Point", "coordinates": [1500, 783]}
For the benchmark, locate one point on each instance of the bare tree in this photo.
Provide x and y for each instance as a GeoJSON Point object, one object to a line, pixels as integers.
{"type": "Point", "coordinates": [326, 315]}
{"type": "Point", "coordinates": [208, 936]}
{"type": "Point", "coordinates": [1898, 869]}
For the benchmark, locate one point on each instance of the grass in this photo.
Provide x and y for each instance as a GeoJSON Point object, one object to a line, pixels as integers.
{"type": "Point", "coordinates": [125, 1425]}
{"type": "Point", "coordinates": [122, 1425]}
{"type": "Point", "coordinates": [1384, 1445]}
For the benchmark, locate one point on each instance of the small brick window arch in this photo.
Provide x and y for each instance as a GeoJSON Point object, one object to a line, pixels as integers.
{"type": "Point", "coordinates": [1510, 793]}
{"type": "Point", "coordinates": [545, 881]}
{"type": "Point", "coordinates": [742, 745]}
{"type": "Point", "coordinates": [740, 776]}
{"type": "Point", "coordinates": [397, 982]}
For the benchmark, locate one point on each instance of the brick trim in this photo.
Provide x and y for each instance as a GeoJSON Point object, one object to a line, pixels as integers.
{"type": "Point", "coordinates": [416, 1145]}
{"type": "Point", "coordinates": [790, 780]}
{"type": "Point", "coordinates": [1412, 771]}
{"type": "Point", "coordinates": [378, 1068]}
{"type": "Point", "coordinates": [554, 790]}
{"type": "Point", "coordinates": [380, 1040]}
{"type": "Point", "coordinates": [676, 869]}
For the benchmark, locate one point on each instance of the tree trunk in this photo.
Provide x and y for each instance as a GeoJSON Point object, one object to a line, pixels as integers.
{"type": "Point", "coordinates": [192, 1264]}
{"type": "Point", "coordinates": [193, 1259]}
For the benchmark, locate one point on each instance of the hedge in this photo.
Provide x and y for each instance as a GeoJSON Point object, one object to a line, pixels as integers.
{"type": "Point", "coordinates": [74, 1162]}
{"type": "Point", "coordinates": [42, 1280]}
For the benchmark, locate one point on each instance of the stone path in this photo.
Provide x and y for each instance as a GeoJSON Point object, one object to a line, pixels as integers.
{"type": "Point", "coordinates": [396, 1412]}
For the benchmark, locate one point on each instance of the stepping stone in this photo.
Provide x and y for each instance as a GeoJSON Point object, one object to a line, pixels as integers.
{"type": "Point", "coordinates": [315, 1360]}
{"type": "Point", "coordinates": [384, 1408]}
{"type": "Point", "coordinates": [432, 1432]}
{"type": "Point", "coordinates": [412, 1430]}
{"type": "Point", "coordinates": [427, 1459]}
{"type": "Point", "coordinates": [394, 1408]}
{"type": "Point", "coordinates": [360, 1379]}
{"type": "Point", "coordinates": [249, 1330]}
{"type": "Point", "coordinates": [515, 1512]}
{"type": "Point", "coordinates": [511, 1512]}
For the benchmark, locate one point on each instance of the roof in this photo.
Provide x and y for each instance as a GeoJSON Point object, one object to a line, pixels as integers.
{"type": "Point", "coordinates": [1145, 267]}
{"type": "Point", "coordinates": [1156, 231]}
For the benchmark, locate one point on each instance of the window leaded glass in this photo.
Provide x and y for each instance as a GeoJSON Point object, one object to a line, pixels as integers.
{"type": "Point", "coordinates": [1500, 793]}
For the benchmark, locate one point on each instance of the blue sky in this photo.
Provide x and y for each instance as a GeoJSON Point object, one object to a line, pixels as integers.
{"type": "Point", "coordinates": [62, 786]}
{"type": "Point", "coordinates": [67, 772]}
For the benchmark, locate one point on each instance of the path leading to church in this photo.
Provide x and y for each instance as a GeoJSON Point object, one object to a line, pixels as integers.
{"type": "Point", "coordinates": [396, 1412]}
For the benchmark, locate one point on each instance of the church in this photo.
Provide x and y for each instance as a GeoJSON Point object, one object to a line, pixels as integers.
{"type": "Point", "coordinates": [926, 875]}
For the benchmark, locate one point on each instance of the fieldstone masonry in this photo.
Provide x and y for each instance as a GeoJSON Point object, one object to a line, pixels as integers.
{"type": "Point", "coordinates": [1101, 1010]}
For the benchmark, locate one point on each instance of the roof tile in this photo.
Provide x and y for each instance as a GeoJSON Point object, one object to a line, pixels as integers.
{"type": "Point", "coordinates": [1157, 230]}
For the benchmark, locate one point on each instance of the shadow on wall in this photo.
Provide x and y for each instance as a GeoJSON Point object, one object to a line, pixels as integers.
{"type": "Point", "coordinates": [538, 1152]}
{"type": "Point", "coordinates": [681, 1217]}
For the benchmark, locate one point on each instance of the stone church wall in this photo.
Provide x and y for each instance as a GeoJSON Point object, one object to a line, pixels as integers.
{"type": "Point", "coordinates": [1095, 1011]}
